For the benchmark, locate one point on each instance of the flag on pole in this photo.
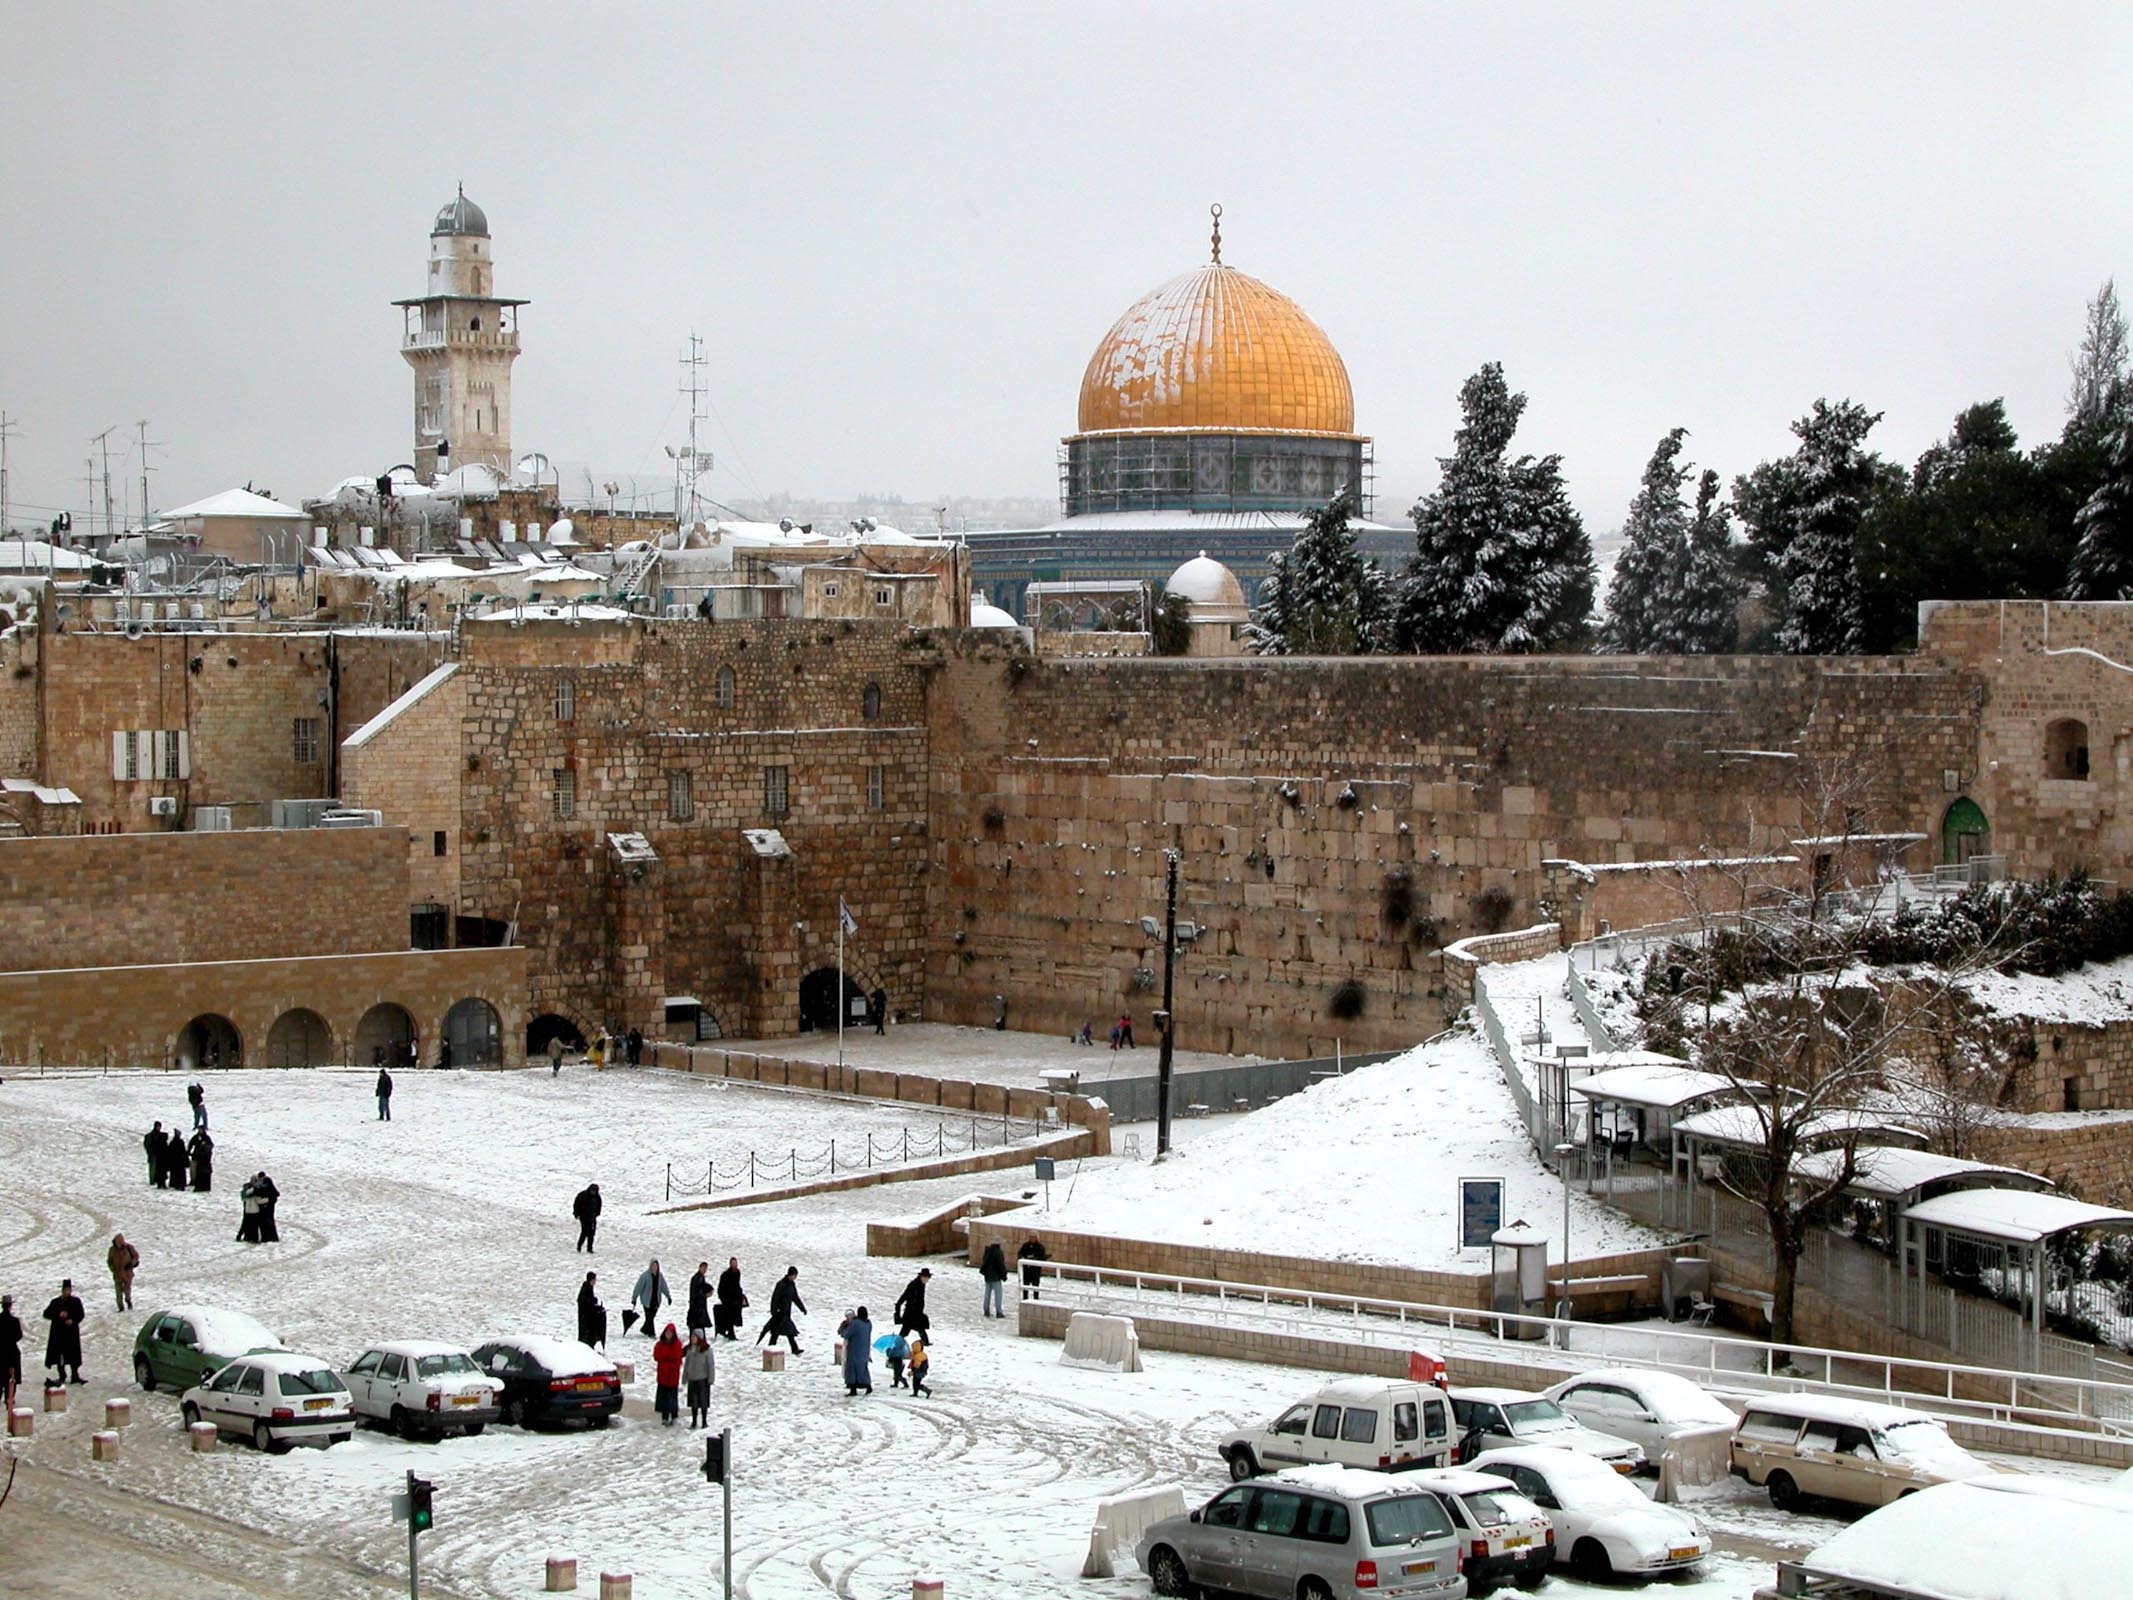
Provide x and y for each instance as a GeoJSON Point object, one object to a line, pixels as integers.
{"type": "Point", "coordinates": [845, 920]}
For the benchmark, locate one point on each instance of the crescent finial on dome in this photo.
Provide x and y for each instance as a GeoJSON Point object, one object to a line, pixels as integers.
{"type": "Point", "coordinates": [1215, 211]}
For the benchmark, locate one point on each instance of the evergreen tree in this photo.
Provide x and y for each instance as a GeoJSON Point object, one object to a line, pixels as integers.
{"type": "Point", "coordinates": [1803, 516]}
{"type": "Point", "coordinates": [1655, 550]}
{"type": "Point", "coordinates": [1707, 595]}
{"type": "Point", "coordinates": [1502, 561]}
{"type": "Point", "coordinates": [1322, 597]}
{"type": "Point", "coordinates": [2103, 559]}
{"type": "Point", "coordinates": [1170, 626]}
{"type": "Point", "coordinates": [2102, 366]}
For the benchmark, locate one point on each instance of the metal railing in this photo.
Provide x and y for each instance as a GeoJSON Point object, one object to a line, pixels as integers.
{"type": "Point", "coordinates": [1507, 1060]}
{"type": "Point", "coordinates": [753, 1168]}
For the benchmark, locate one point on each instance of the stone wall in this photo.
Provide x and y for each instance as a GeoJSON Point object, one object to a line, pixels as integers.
{"type": "Point", "coordinates": [408, 766]}
{"type": "Point", "coordinates": [1463, 956]}
{"type": "Point", "coordinates": [2088, 1154]}
{"type": "Point", "coordinates": [21, 658]}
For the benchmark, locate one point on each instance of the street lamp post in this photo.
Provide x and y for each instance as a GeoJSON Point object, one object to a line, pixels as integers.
{"type": "Point", "coordinates": [1563, 1152]}
{"type": "Point", "coordinates": [1170, 957]}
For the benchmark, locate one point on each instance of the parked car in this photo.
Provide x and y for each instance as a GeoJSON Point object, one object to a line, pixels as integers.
{"type": "Point", "coordinates": [1856, 1450]}
{"type": "Point", "coordinates": [551, 1380]}
{"type": "Point", "coordinates": [182, 1345]}
{"type": "Point", "coordinates": [1603, 1525]}
{"type": "Point", "coordinates": [1310, 1533]}
{"type": "Point", "coordinates": [1384, 1424]}
{"type": "Point", "coordinates": [417, 1386]}
{"type": "Point", "coordinates": [1497, 1419]}
{"type": "Point", "coordinates": [1508, 1538]}
{"type": "Point", "coordinates": [275, 1399]}
{"type": "Point", "coordinates": [1646, 1408]}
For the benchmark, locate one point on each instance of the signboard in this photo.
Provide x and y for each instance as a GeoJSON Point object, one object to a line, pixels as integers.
{"type": "Point", "coordinates": [1045, 1169]}
{"type": "Point", "coordinates": [1480, 1211]}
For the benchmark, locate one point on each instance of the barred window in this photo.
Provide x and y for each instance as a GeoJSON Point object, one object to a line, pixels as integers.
{"type": "Point", "coordinates": [877, 784]}
{"type": "Point", "coordinates": [884, 595]}
{"type": "Point", "coordinates": [681, 797]}
{"type": "Point", "coordinates": [304, 741]}
{"type": "Point", "coordinates": [724, 694]}
{"type": "Point", "coordinates": [870, 703]}
{"type": "Point", "coordinates": [775, 795]}
{"type": "Point", "coordinates": [565, 794]}
{"type": "Point", "coordinates": [566, 699]}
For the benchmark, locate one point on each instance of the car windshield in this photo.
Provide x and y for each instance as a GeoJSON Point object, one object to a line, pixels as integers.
{"type": "Point", "coordinates": [444, 1366]}
{"type": "Point", "coordinates": [1921, 1443]}
{"type": "Point", "coordinates": [318, 1380]}
{"type": "Point", "coordinates": [1491, 1506]}
{"type": "Point", "coordinates": [1405, 1520]}
{"type": "Point", "coordinates": [1536, 1416]}
{"type": "Point", "coordinates": [1598, 1490]}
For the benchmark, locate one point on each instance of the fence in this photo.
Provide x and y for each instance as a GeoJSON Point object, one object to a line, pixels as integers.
{"type": "Point", "coordinates": [1244, 1087]}
{"type": "Point", "coordinates": [792, 1165]}
{"type": "Point", "coordinates": [1507, 1059]}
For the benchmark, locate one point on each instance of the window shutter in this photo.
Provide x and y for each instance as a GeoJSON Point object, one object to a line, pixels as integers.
{"type": "Point", "coordinates": [158, 754]}
{"type": "Point", "coordinates": [118, 756]}
{"type": "Point", "coordinates": [185, 753]}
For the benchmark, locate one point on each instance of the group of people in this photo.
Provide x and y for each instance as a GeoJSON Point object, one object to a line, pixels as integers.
{"type": "Point", "coordinates": [62, 1345]}
{"type": "Point", "coordinates": [260, 1198]}
{"type": "Point", "coordinates": [1121, 1033]}
{"type": "Point", "coordinates": [175, 1162]}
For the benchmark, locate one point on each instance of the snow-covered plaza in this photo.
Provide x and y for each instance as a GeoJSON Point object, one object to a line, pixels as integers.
{"type": "Point", "coordinates": [453, 1221]}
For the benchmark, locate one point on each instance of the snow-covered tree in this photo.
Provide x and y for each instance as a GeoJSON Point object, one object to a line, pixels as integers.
{"type": "Point", "coordinates": [2102, 568]}
{"type": "Point", "coordinates": [1502, 562]}
{"type": "Point", "coordinates": [1803, 514]}
{"type": "Point", "coordinates": [2102, 366]}
{"type": "Point", "coordinates": [1322, 597]}
{"type": "Point", "coordinates": [1706, 598]}
{"type": "Point", "coordinates": [1655, 548]}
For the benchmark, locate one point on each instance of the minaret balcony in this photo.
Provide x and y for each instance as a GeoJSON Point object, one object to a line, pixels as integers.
{"type": "Point", "coordinates": [461, 339]}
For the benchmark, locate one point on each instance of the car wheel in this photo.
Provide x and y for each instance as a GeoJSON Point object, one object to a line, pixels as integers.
{"type": "Point", "coordinates": [401, 1423]}
{"type": "Point", "coordinates": [1166, 1573]}
{"type": "Point", "coordinates": [1784, 1493]}
{"type": "Point", "coordinates": [603, 1421]}
{"type": "Point", "coordinates": [509, 1413]}
{"type": "Point", "coordinates": [263, 1440]}
{"type": "Point", "coordinates": [144, 1374]}
{"type": "Point", "coordinates": [1242, 1464]}
{"type": "Point", "coordinates": [475, 1428]}
{"type": "Point", "coordinates": [190, 1412]}
{"type": "Point", "coordinates": [1590, 1558]}
{"type": "Point", "coordinates": [339, 1438]}
{"type": "Point", "coordinates": [1313, 1589]}
{"type": "Point", "coordinates": [1533, 1579]}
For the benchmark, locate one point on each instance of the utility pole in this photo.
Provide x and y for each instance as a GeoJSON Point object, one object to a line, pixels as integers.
{"type": "Point", "coordinates": [7, 432]}
{"type": "Point", "coordinates": [146, 445]}
{"type": "Point", "coordinates": [1170, 958]}
{"type": "Point", "coordinates": [718, 1468]}
{"type": "Point", "coordinates": [695, 461]}
{"type": "Point", "coordinates": [103, 442]}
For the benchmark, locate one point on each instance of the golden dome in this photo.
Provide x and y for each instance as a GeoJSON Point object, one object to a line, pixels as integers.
{"type": "Point", "coordinates": [1216, 348]}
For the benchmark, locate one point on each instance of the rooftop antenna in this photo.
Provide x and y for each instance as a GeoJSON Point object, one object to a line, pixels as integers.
{"type": "Point", "coordinates": [103, 442]}
{"type": "Point", "coordinates": [147, 444]}
{"type": "Point", "coordinates": [1215, 211]}
{"type": "Point", "coordinates": [695, 461]}
{"type": "Point", "coordinates": [8, 425]}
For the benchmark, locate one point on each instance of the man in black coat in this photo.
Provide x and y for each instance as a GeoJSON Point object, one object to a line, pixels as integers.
{"type": "Point", "coordinates": [62, 1351]}
{"type": "Point", "coordinates": [269, 1198]}
{"type": "Point", "coordinates": [732, 1301]}
{"type": "Point", "coordinates": [10, 1351]}
{"type": "Point", "coordinates": [152, 1142]}
{"type": "Point", "coordinates": [1032, 1255]}
{"type": "Point", "coordinates": [586, 1208]}
{"type": "Point", "coordinates": [385, 1095]}
{"type": "Point", "coordinates": [592, 1315]}
{"type": "Point", "coordinates": [784, 1301]}
{"type": "Point", "coordinates": [203, 1157]}
{"type": "Point", "coordinates": [174, 1160]}
{"type": "Point", "coordinates": [911, 1306]}
{"type": "Point", "coordinates": [700, 1298]}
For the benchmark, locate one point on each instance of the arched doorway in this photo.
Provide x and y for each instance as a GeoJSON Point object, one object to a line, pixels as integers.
{"type": "Point", "coordinates": [543, 1029]}
{"type": "Point", "coordinates": [385, 1037]}
{"type": "Point", "coordinates": [209, 1043]}
{"type": "Point", "coordinates": [473, 1035]}
{"type": "Point", "coordinates": [1964, 832]}
{"type": "Point", "coordinates": [818, 1000]}
{"type": "Point", "coordinates": [299, 1038]}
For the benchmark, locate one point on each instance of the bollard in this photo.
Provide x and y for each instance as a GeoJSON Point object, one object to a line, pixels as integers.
{"type": "Point", "coordinates": [625, 1372]}
{"type": "Point", "coordinates": [118, 1413]}
{"type": "Point", "coordinates": [773, 1361]}
{"type": "Point", "coordinates": [202, 1436]}
{"type": "Point", "coordinates": [104, 1446]}
{"type": "Point", "coordinates": [20, 1421]}
{"type": "Point", "coordinates": [925, 1589]}
{"type": "Point", "coordinates": [562, 1574]}
{"type": "Point", "coordinates": [55, 1397]}
{"type": "Point", "coordinates": [614, 1586]}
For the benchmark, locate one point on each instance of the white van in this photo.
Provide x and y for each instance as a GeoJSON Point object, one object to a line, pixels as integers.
{"type": "Point", "coordinates": [1855, 1450]}
{"type": "Point", "coordinates": [1380, 1424]}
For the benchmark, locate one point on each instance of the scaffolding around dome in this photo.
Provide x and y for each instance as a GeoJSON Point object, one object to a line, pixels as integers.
{"type": "Point", "coordinates": [1200, 469]}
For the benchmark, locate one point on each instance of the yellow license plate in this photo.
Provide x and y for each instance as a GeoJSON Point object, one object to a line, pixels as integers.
{"type": "Point", "coordinates": [1416, 1569]}
{"type": "Point", "coordinates": [1686, 1552]}
{"type": "Point", "coordinates": [591, 1383]}
{"type": "Point", "coordinates": [317, 1405]}
{"type": "Point", "coordinates": [466, 1399]}
{"type": "Point", "coordinates": [1518, 1542]}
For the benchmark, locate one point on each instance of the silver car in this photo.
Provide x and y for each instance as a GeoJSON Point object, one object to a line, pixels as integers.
{"type": "Point", "coordinates": [1311, 1533]}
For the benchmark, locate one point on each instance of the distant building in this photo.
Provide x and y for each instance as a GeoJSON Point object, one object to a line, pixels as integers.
{"type": "Point", "coordinates": [461, 340]}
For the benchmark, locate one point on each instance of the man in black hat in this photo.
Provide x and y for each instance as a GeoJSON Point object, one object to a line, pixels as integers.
{"type": "Point", "coordinates": [62, 1350]}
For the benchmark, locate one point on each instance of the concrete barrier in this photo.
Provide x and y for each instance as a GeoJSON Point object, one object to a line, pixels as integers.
{"type": "Point", "coordinates": [1109, 1344]}
{"type": "Point", "coordinates": [926, 1589]}
{"type": "Point", "coordinates": [1120, 1522]}
{"type": "Point", "coordinates": [55, 1397]}
{"type": "Point", "coordinates": [625, 1372]}
{"type": "Point", "coordinates": [202, 1436]}
{"type": "Point", "coordinates": [1693, 1457]}
{"type": "Point", "coordinates": [104, 1446]}
{"type": "Point", "coordinates": [118, 1413]}
{"type": "Point", "coordinates": [20, 1421]}
{"type": "Point", "coordinates": [614, 1586]}
{"type": "Point", "coordinates": [562, 1574]}
{"type": "Point", "coordinates": [773, 1360]}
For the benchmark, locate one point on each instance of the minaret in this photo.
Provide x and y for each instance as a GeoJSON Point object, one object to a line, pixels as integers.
{"type": "Point", "coordinates": [461, 340]}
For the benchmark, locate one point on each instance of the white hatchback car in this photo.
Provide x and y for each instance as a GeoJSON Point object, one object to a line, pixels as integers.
{"type": "Point", "coordinates": [1604, 1526]}
{"type": "Point", "coordinates": [275, 1398]}
{"type": "Point", "coordinates": [420, 1387]}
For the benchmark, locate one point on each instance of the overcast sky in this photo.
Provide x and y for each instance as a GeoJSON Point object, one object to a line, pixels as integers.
{"type": "Point", "coordinates": [901, 230]}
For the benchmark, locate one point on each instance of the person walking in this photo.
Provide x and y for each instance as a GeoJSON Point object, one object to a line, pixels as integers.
{"type": "Point", "coordinates": [62, 1348]}
{"type": "Point", "coordinates": [698, 1368]}
{"type": "Point", "coordinates": [152, 1142]}
{"type": "Point", "coordinates": [668, 1355]}
{"type": "Point", "coordinates": [269, 1200]}
{"type": "Point", "coordinates": [784, 1301]}
{"type": "Point", "coordinates": [10, 1352]}
{"type": "Point", "coordinates": [896, 1352]}
{"type": "Point", "coordinates": [1032, 1255]}
{"type": "Point", "coordinates": [1125, 1030]}
{"type": "Point", "coordinates": [651, 1293]}
{"type": "Point", "coordinates": [700, 1298]}
{"type": "Point", "coordinates": [910, 1308]}
{"type": "Point", "coordinates": [633, 1043]}
{"type": "Point", "coordinates": [878, 1004]}
{"type": "Point", "coordinates": [857, 1332]}
{"type": "Point", "coordinates": [732, 1301]}
{"type": "Point", "coordinates": [202, 1150]}
{"type": "Point", "coordinates": [196, 1097]}
{"type": "Point", "coordinates": [992, 1267]}
{"type": "Point", "coordinates": [122, 1259]}
{"type": "Point", "coordinates": [586, 1208]}
{"type": "Point", "coordinates": [444, 1055]}
{"type": "Point", "coordinates": [248, 1198]}
{"type": "Point", "coordinates": [592, 1316]}
{"type": "Point", "coordinates": [921, 1365]}
{"type": "Point", "coordinates": [174, 1148]}
{"type": "Point", "coordinates": [555, 1055]}
{"type": "Point", "coordinates": [385, 1095]}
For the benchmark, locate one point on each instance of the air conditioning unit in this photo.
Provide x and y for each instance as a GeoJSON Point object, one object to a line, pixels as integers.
{"type": "Point", "coordinates": [351, 817]}
{"type": "Point", "coordinates": [211, 819]}
{"type": "Point", "coordinates": [302, 813]}
{"type": "Point", "coordinates": [162, 805]}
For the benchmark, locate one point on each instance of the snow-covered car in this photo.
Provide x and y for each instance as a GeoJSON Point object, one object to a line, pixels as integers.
{"type": "Point", "coordinates": [551, 1380]}
{"type": "Point", "coordinates": [1322, 1533]}
{"type": "Point", "coordinates": [1508, 1538]}
{"type": "Point", "coordinates": [275, 1399]}
{"type": "Point", "coordinates": [417, 1386]}
{"type": "Point", "coordinates": [1646, 1408]}
{"type": "Point", "coordinates": [1603, 1524]}
{"type": "Point", "coordinates": [1380, 1424]}
{"type": "Point", "coordinates": [180, 1346]}
{"type": "Point", "coordinates": [1857, 1450]}
{"type": "Point", "coordinates": [1497, 1419]}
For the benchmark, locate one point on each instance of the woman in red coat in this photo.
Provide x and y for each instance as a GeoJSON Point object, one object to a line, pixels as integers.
{"type": "Point", "coordinates": [667, 1356]}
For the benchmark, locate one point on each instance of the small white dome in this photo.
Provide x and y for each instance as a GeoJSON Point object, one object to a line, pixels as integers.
{"type": "Point", "coordinates": [984, 615]}
{"type": "Point", "coordinates": [1211, 591]}
{"type": "Point", "coordinates": [562, 531]}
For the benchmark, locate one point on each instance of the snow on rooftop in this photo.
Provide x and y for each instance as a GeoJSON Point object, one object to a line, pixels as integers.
{"type": "Point", "coordinates": [40, 555]}
{"type": "Point", "coordinates": [554, 613]}
{"type": "Point", "coordinates": [1889, 1170]}
{"type": "Point", "coordinates": [2018, 1216]}
{"type": "Point", "coordinates": [1664, 1084]}
{"type": "Point", "coordinates": [236, 503]}
{"type": "Point", "coordinates": [412, 696]}
{"type": "Point", "coordinates": [1956, 1541]}
{"type": "Point", "coordinates": [1745, 1125]}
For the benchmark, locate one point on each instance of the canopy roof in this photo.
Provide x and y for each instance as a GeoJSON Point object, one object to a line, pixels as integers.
{"type": "Point", "coordinates": [1888, 1172]}
{"type": "Point", "coordinates": [2015, 1216]}
{"type": "Point", "coordinates": [1662, 1087]}
{"type": "Point", "coordinates": [1950, 1542]}
{"type": "Point", "coordinates": [1743, 1126]}
{"type": "Point", "coordinates": [236, 503]}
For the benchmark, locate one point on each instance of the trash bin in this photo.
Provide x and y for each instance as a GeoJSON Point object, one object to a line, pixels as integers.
{"type": "Point", "coordinates": [1519, 1277]}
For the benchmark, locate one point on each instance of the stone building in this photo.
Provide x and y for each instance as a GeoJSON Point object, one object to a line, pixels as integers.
{"type": "Point", "coordinates": [461, 337]}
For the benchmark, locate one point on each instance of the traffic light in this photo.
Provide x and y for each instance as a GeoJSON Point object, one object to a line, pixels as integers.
{"type": "Point", "coordinates": [419, 1516]}
{"type": "Point", "coordinates": [715, 1458]}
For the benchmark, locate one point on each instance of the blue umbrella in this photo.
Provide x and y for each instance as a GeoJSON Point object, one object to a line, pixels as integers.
{"type": "Point", "coordinates": [885, 1341]}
